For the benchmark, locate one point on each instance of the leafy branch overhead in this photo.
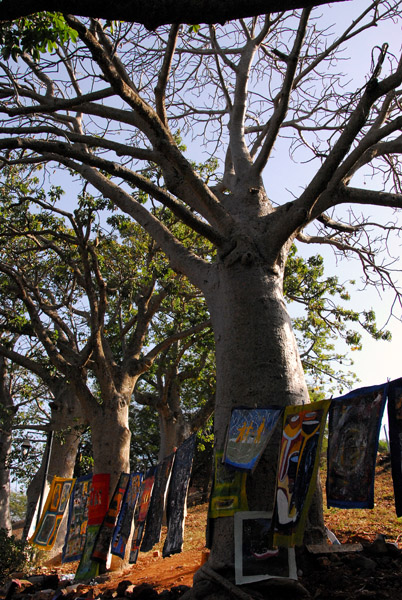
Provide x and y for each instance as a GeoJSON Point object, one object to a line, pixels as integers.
{"type": "Point", "coordinates": [154, 13]}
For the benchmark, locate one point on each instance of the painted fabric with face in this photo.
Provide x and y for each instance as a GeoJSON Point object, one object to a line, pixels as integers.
{"type": "Point", "coordinates": [354, 427]}
{"type": "Point", "coordinates": [56, 503]}
{"type": "Point", "coordinates": [395, 439]}
{"type": "Point", "coordinates": [303, 429]}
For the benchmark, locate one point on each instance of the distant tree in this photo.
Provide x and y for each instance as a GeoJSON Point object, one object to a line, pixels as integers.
{"type": "Point", "coordinates": [89, 299]}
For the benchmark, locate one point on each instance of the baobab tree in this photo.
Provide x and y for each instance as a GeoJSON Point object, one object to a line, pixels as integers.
{"type": "Point", "coordinates": [109, 109]}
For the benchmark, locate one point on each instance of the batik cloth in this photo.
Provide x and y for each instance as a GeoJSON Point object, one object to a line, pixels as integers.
{"type": "Point", "coordinates": [97, 508]}
{"type": "Point", "coordinates": [156, 509]}
{"type": "Point", "coordinates": [228, 494]}
{"type": "Point", "coordinates": [303, 429]}
{"type": "Point", "coordinates": [122, 530]}
{"type": "Point", "coordinates": [52, 515]}
{"type": "Point", "coordinates": [250, 430]}
{"type": "Point", "coordinates": [145, 499]}
{"type": "Point", "coordinates": [102, 544]}
{"type": "Point", "coordinates": [177, 496]}
{"type": "Point", "coordinates": [77, 520]}
{"type": "Point", "coordinates": [395, 439]}
{"type": "Point", "coordinates": [354, 427]}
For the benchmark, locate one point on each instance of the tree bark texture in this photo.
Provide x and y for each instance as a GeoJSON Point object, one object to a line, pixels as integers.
{"type": "Point", "coordinates": [111, 436]}
{"type": "Point", "coordinates": [257, 365]}
{"type": "Point", "coordinates": [173, 427]}
{"type": "Point", "coordinates": [66, 419]}
{"type": "Point", "coordinates": [5, 448]}
{"type": "Point", "coordinates": [6, 420]}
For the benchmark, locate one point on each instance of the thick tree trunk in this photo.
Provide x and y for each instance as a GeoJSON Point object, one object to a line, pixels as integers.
{"type": "Point", "coordinates": [257, 365]}
{"type": "Point", "coordinates": [111, 436]}
{"type": "Point", "coordinates": [5, 448]}
{"type": "Point", "coordinates": [173, 430]}
{"type": "Point", "coordinates": [66, 422]}
{"type": "Point", "coordinates": [6, 420]}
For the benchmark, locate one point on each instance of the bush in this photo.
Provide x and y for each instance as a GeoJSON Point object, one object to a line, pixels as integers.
{"type": "Point", "coordinates": [13, 555]}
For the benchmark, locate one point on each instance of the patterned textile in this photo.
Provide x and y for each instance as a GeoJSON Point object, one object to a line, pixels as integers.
{"type": "Point", "coordinates": [395, 439]}
{"type": "Point", "coordinates": [145, 499]}
{"type": "Point", "coordinates": [177, 496]}
{"type": "Point", "coordinates": [56, 502]}
{"type": "Point", "coordinates": [303, 429]}
{"type": "Point", "coordinates": [98, 504]}
{"type": "Point", "coordinates": [354, 427]}
{"type": "Point", "coordinates": [77, 520]}
{"type": "Point", "coordinates": [228, 493]}
{"type": "Point", "coordinates": [250, 430]}
{"type": "Point", "coordinates": [157, 505]}
{"type": "Point", "coordinates": [122, 530]}
{"type": "Point", "coordinates": [102, 544]}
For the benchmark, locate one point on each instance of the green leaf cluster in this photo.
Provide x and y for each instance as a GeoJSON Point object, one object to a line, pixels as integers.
{"type": "Point", "coordinates": [36, 34]}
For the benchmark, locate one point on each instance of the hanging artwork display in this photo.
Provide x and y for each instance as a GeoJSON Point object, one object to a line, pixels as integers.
{"type": "Point", "coordinates": [145, 498]}
{"type": "Point", "coordinates": [249, 432]}
{"type": "Point", "coordinates": [157, 505]}
{"type": "Point", "coordinates": [395, 439]}
{"type": "Point", "coordinates": [228, 493]}
{"type": "Point", "coordinates": [177, 496]}
{"type": "Point", "coordinates": [122, 530]}
{"type": "Point", "coordinates": [354, 427]}
{"type": "Point", "coordinates": [255, 556]}
{"type": "Point", "coordinates": [102, 544]}
{"type": "Point", "coordinates": [303, 429]}
{"type": "Point", "coordinates": [77, 520]}
{"type": "Point", "coordinates": [97, 508]}
{"type": "Point", "coordinates": [56, 503]}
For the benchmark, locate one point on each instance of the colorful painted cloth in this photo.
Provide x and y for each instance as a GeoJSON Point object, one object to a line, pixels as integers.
{"type": "Point", "coordinates": [52, 515]}
{"type": "Point", "coordinates": [354, 427]}
{"type": "Point", "coordinates": [98, 504]}
{"type": "Point", "coordinates": [177, 496]}
{"type": "Point", "coordinates": [145, 499]}
{"type": "Point", "coordinates": [156, 509]}
{"type": "Point", "coordinates": [77, 520]}
{"type": "Point", "coordinates": [395, 439]}
{"type": "Point", "coordinates": [303, 429]}
{"type": "Point", "coordinates": [250, 430]}
{"type": "Point", "coordinates": [122, 530]}
{"type": "Point", "coordinates": [228, 493]}
{"type": "Point", "coordinates": [102, 544]}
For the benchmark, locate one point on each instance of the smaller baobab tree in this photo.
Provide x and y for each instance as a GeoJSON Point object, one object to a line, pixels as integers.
{"type": "Point", "coordinates": [90, 295]}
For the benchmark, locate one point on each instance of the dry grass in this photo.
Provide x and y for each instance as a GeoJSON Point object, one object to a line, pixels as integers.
{"type": "Point", "coordinates": [353, 525]}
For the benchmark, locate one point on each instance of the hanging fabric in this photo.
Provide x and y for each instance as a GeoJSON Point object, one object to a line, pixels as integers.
{"type": "Point", "coordinates": [303, 429]}
{"type": "Point", "coordinates": [353, 431]}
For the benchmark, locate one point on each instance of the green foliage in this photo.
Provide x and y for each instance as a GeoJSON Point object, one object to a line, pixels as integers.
{"type": "Point", "coordinates": [383, 447]}
{"type": "Point", "coordinates": [36, 34]}
{"type": "Point", "coordinates": [325, 320]}
{"type": "Point", "coordinates": [145, 438]}
{"type": "Point", "coordinates": [18, 503]}
{"type": "Point", "coordinates": [13, 556]}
